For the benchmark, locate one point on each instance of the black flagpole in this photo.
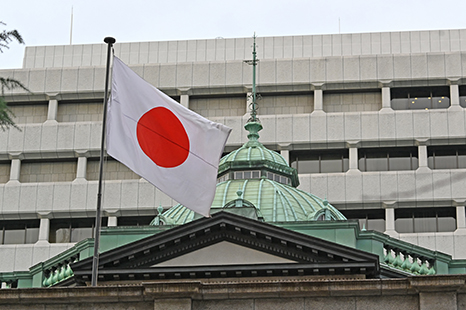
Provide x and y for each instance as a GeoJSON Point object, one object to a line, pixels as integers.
{"type": "Point", "coordinates": [98, 218]}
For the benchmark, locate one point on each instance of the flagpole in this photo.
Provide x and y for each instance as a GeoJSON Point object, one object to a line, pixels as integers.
{"type": "Point", "coordinates": [95, 261]}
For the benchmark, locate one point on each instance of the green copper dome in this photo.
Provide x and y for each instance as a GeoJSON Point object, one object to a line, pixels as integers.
{"type": "Point", "coordinates": [257, 182]}
{"type": "Point", "coordinates": [273, 201]}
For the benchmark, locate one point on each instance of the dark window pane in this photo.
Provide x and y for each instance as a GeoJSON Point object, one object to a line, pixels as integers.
{"type": "Point", "coordinates": [414, 163]}
{"type": "Point", "coordinates": [427, 224]}
{"type": "Point", "coordinates": [61, 235]}
{"type": "Point", "coordinates": [445, 162]}
{"type": "Point", "coordinates": [400, 104]}
{"type": "Point", "coordinates": [308, 166]}
{"type": "Point", "coordinates": [404, 225]}
{"type": "Point", "coordinates": [78, 234]}
{"type": "Point", "coordinates": [446, 224]}
{"type": "Point", "coordinates": [331, 165]}
{"type": "Point", "coordinates": [400, 163]}
{"type": "Point", "coordinates": [463, 101]}
{"type": "Point", "coordinates": [362, 164]}
{"type": "Point", "coordinates": [345, 164]}
{"type": "Point", "coordinates": [320, 161]}
{"type": "Point", "coordinates": [14, 236]}
{"type": "Point", "coordinates": [32, 235]}
{"type": "Point", "coordinates": [420, 103]}
{"type": "Point", "coordinates": [376, 164]}
{"type": "Point", "coordinates": [376, 224]}
{"type": "Point", "coordinates": [1, 235]}
{"type": "Point", "coordinates": [440, 102]}
{"type": "Point", "coordinates": [134, 220]}
{"type": "Point", "coordinates": [430, 162]}
{"type": "Point", "coordinates": [461, 161]}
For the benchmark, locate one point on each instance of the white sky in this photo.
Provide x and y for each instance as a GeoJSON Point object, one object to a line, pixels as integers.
{"type": "Point", "coordinates": [47, 22]}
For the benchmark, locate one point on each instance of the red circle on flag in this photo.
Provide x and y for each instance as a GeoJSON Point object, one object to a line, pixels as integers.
{"type": "Point", "coordinates": [163, 138]}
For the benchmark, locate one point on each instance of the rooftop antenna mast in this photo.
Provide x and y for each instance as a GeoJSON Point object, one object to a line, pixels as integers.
{"type": "Point", "coordinates": [254, 96]}
{"type": "Point", "coordinates": [71, 27]}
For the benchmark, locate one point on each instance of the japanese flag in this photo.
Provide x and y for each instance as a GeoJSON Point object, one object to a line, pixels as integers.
{"type": "Point", "coordinates": [167, 144]}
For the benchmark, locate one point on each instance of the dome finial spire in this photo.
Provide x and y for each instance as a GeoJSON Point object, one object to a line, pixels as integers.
{"type": "Point", "coordinates": [254, 96]}
{"type": "Point", "coordinates": [253, 125]}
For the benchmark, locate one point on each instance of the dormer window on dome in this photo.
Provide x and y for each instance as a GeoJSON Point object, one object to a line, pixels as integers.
{"type": "Point", "coordinates": [254, 174]}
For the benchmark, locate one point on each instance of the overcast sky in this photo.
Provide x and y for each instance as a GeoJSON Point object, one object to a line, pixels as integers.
{"type": "Point", "coordinates": [48, 22]}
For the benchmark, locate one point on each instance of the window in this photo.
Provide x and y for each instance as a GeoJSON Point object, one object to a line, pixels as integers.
{"type": "Point", "coordinates": [72, 230]}
{"type": "Point", "coordinates": [19, 231]}
{"type": "Point", "coordinates": [388, 159]}
{"type": "Point", "coordinates": [135, 220]}
{"type": "Point", "coordinates": [419, 220]}
{"type": "Point", "coordinates": [462, 91]}
{"type": "Point", "coordinates": [320, 161]}
{"type": "Point", "coordinates": [278, 178]}
{"type": "Point", "coordinates": [446, 157]}
{"type": "Point", "coordinates": [420, 98]}
{"type": "Point", "coordinates": [370, 219]}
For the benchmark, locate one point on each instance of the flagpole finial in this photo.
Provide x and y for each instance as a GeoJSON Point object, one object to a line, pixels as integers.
{"type": "Point", "coordinates": [109, 40]}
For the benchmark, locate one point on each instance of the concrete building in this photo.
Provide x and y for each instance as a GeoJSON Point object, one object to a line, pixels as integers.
{"type": "Point", "coordinates": [374, 123]}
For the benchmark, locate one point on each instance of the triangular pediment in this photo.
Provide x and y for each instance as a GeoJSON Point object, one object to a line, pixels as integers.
{"type": "Point", "coordinates": [227, 245]}
{"type": "Point", "coordinates": [224, 253]}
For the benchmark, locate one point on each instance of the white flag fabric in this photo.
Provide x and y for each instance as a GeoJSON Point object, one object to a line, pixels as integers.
{"type": "Point", "coordinates": [167, 144]}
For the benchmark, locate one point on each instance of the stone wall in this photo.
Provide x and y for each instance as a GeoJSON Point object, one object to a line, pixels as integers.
{"type": "Point", "coordinates": [419, 293]}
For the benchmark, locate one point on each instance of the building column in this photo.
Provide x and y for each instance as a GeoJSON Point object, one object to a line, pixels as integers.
{"type": "Point", "coordinates": [15, 169]}
{"type": "Point", "coordinates": [454, 96]}
{"type": "Point", "coordinates": [460, 215]}
{"type": "Point", "coordinates": [318, 98]}
{"type": "Point", "coordinates": [112, 221]}
{"type": "Point", "coordinates": [112, 216]}
{"type": "Point", "coordinates": [184, 100]}
{"type": "Point", "coordinates": [422, 154]}
{"type": "Point", "coordinates": [285, 152]}
{"type": "Point", "coordinates": [44, 230]}
{"type": "Point", "coordinates": [184, 96]}
{"type": "Point", "coordinates": [81, 170]}
{"type": "Point", "coordinates": [386, 99]}
{"type": "Point", "coordinates": [52, 110]}
{"type": "Point", "coordinates": [390, 219]}
{"type": "Point", "coordinates": [353, 156]}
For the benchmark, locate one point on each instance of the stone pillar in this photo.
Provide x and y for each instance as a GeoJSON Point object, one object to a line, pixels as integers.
{"type": "Point", "coordinates": [386, 99]}
{"type": "Point", "coordinates": [390, 219]}
{"type": "Point", "coordinates": [422, 154]}
{"type": "Point", "coordinates": [460, 217]}
{"type": "Point", "coordinates": [454, 97]}
{"type": "Point", "coordinates": [15, 169]}
{"type": "Point", "coordinates": [184, 100]}
{"type": "Point", "coordinates": [353, 156]}
{"type": "Point", "coordinates": [112, 221]}
{"type": "Point", "coordinates": [112, 216]}
{"type": "Point", "coordinates": [286, 155]}
{"type": "Point", "coordinates": [184, 96]}
{"type": "Point", "coordinates": [82, 168]}
{"type": "Point", "coordinates": [52, 109]}
{"type": "Point", "coordinates": [44, 230]}
{"type": "Point", "coordinates": [318, 98]}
